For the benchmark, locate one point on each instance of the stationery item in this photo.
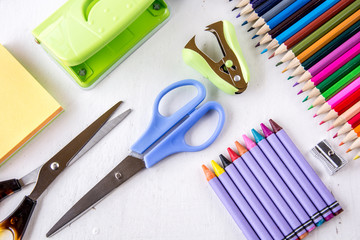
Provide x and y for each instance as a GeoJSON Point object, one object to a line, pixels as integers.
{"type": "Point", "coordinates": [346, 116]}
{"type": "Point", "coordinates": [337, 87]}
{"type": "Point", "coordinates": [272, 13]}
{"type": "Point", "coordinates": [331, 68]}
{"type": "Point", "coordinates": [258, 181]}
{"type": "Point", "coordinates": [242, 3]}
{"type": "Point", "coordinates": [289, 180]}
{"type": "Point", "coordinates": [229, 204]}
{"type": "Point", "coordinates": [357, 156]}
{"type": "Point", "coordinates": [254, 6]}
{"type": "Point", "coordinates": [263, 8]}
{"type": "Point", "coordinates": [352, 135]}
{"type": "Point", "coordinates": [355, 144]}
{"type": "Point", "coordinates": [288, 22]}
{"type": "Point", "coordinates": [231, 73]}
{"type": "Point", "coordinates": [306, 168]}
{"type": "Point", "coordinates": [319, 66]}
{"type": "Point", "coordinates": [140, 158]}
{"type": "Point", "coordinates": [26, 107]}
{"type": "Point", "coordinates": [279, 184]}
{"type": "Point", "coordinates": [43, 176]}
{"type": "Point", "coordinates": [341, 107]}
{"type": "Point", "coordinates": [351, 124]}
{"type": "Point", "coordinates": [281, 16]}
{"type": "Point", "coordinates": [328, 37]}
{"type": "Point", "coordinates": [312, 38]}
{"type": "Point", "coordinates": [257, 197]}
{"type": "Point", "coordinates": [295, 172]}
{"type": "Point", "coordinates": [90, 38]}
{"type": "Point", "coordinates": [311, 27]}
{"type": "Point", "coordinates": [244, 206]}
{"type": "Point", "coordinates": [327, 155]}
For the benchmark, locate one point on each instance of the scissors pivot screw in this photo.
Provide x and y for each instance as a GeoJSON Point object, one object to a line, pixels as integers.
{"type": "Point", "coordinates": [54, 166]}
{"type": "Point", "coordinates": [118, 175]}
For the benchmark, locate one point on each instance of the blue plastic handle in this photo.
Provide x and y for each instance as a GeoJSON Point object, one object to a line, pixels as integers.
{"type": "Point", "coordinates": [175, 142]}
{"type": "Point", "coordinates": [160, 124]}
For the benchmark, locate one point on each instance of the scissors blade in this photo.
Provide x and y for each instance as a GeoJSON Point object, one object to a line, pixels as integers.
{"type": "Point", "coordinates": [122, 172]}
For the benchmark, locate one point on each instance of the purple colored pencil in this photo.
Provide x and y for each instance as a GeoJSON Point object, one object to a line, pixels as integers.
{"type": "Point", "coordinates": [255, 203]}
{"type": "Point", "coordinates": [288, 178]}
{"type": "Point", "coordinates": [306, 168]}
{"type": "Point", "coordinates": [297, 173]}
{"type": "Point", "coordinates": [244, 207]}
{"type": "Point", "coordinates": [231, 207]}
{"type": "Point", "coordinates": [279, 184]}
{"type": "Point", "coordinates": [287, 221]}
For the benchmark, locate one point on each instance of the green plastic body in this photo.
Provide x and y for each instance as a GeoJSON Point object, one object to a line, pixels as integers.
{"type": "Point", "coordinates": [89, 38]}
{"type": "Point", "coordinates": [197, 62]}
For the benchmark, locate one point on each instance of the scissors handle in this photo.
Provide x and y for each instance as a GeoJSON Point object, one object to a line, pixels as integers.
{"type": "Point", "coordinates": [17, 221]}
{"type": "Point", "coordinates": [175, 142]}
{"type": "Point", "coordinates": [160, 124]}
{"type": "Point", "coordinates": [9, 187]}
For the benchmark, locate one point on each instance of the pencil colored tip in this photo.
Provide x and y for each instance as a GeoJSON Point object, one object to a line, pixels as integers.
{"type": "Point", "coordinates": [267, 132]}
{"type": "Point", "coordinates": [356, 157]}
{"type": "Point", "coordinates": [300, 92]}
{"type": "Point", "coordinates": [290, 77]}
{"type": "Point", "coordinates": [349, 150]}
{"type": "Point", "coordinates": [278, 64]}
{"type": "Point", "coordinates": [335, 136]}
{"type": "Point", "coordinates": [310, 107]}
{"type": "Point", "coordinates": [330, 128]}
{"type": "Point", "coordinates": [342, 143]}
{"type": "Point", "coordinates": [305, 99]}
{"type": "Point", "coordinates": [258, 44]}
{"type": "Point", "coordinates": [321, 123]}
{"type": "Point", "coordinates": [232, 154]}
{"type": "Point", "coordinates": [241, 149]}
{"type": "Point", "coordinates": [257, 136]}
{"type": "Point", "coordinates": [271, 56]}
{"type": "Point", "coordinates": [274, 126]}
{"type": "Point", "coordinates": [248, 142]}
{"type": "Point", "coordinates": [250, 29]}
{"type": "Point", "coordinates": [264, 51]}
{"type": "Point", "coordinates": [225, 162]}
{"type": "Point", "coordinates": [255, 36]}
{"type": "Point", "coordinates": [295, 84]}
{"type": "Point", "coordinates": [244, 23]}
{"type": "Point", "coordinates": [208, 174]}
{"type": "Point", "coordinates": [315, 115]}
{"type": "Point", "coordinates": [238, 15]}
{"type": "Point", "coordinates": [234, 8]}
{"type": "Point", "coordinates": [284, 70]}
{"type": "Point", "coordinates": [217, 169]}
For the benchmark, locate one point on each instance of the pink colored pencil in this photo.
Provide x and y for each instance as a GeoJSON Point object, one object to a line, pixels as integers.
{"type": "Point", "coordinates": [331, 57]}
{"type": "Point", "coordinates": [333, 67]}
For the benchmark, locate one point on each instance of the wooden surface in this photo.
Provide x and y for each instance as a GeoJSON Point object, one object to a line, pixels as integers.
{"type": "Point", "coordinates": [171, 200]}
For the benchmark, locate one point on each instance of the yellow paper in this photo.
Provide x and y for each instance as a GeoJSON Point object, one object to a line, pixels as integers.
{"type": "Point", "coordinates": [25, 106]}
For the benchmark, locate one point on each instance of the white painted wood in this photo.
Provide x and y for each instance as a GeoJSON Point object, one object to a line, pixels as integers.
{"type": "Point", "coordinates": [171, 200]}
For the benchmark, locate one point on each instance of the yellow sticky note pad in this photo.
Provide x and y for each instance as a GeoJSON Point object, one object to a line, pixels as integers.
{"type": "Point", "coordinates": [25, 106]}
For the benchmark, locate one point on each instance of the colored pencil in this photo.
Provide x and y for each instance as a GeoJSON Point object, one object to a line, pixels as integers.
{"type": "Point", "coordinates": [352, 123]}
{"type": "Point", "coordinates": [328, 37]}
{"type": "Point", "coordinates": [296, 16]}
{"type": "Point", "coordinates": [307, 30]}
{"type": "Point", "coordinates": [333, 67]}
{"type": "Point", "coordinates": [281, 16]}
{"type": "Point", "coordinates": [352, 135]}
{"type": "Point", "coordinates": [337, 87]}
{"type": "Point", "coordinates": [272, 13]}
{"type": "Point", "coordinates": [345, 97]}
{"type": "Point", "coordinates": [336, 112]}
{"type": "Point", "coordinates": [289, 179]}
{"type": "Point", "coordinates": [242, 3]}
{"type": "Point", "coordinates": [251, 6]}
{"type": "Point", "coordinates": [279, 184]}
{"type": "Point", "coordinates": [346, 116]}
{"type": "Point", "coordinates": [306, 168]}
{"type": "Point", "coordinates": [248, 168]}
{"type": "Point", "coordinates": [265, 7]}
{"type": "Point", "coordinates": [355, 144]}
{"type": "Point", "coordinates": [296, 172]}
{"type": "Point", "coordinates": [319, 66]}
{"type": "Point", "coordinates": [229, 204]}
{"type": "Point", "coordinates": [349, 71]}
{"type": "Point", "coordinates": [357, 156]}
{"type": "Point", "coordinates": [313, 37]}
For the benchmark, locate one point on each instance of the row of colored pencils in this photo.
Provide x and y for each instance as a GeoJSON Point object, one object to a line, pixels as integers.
{"type": "Point", "coordinates": [320, 40]}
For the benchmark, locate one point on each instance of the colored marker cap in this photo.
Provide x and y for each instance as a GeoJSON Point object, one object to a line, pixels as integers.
{"type": "Point", "coordinates": [208, 174]}
{"type": "Point", "coordinates": [248, 142]}
{"type": "Point", "coordinates": [225, 162]}
{"type": "Point", "coordinates": [241, 149]}
{"type": "Point", "coordinates": [267, 132]}
{"type": "Point", "coordinates": [257, 136]}
{"type": "Point", "coordinates": [217, 169]}
{"type": "Point", "coordinates": [232, 154]}
{"type": "Point", "coordinates": [275, 127]}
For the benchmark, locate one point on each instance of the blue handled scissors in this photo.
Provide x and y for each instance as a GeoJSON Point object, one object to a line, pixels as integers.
{"type": "Point", "coordinates": [140, 158]}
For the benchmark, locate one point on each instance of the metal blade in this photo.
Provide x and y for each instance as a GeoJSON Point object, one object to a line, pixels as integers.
{"type": "Point", "coordinates": [53, 167]}
{"type": "Point", "coordinates": [30, 177]}
{"type": "Point", "coordinates": [108, 126]}
{"type": "Point", "coordinates": [122, 172]}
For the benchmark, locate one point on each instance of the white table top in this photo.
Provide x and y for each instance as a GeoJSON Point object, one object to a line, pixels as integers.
{"type": "Point", "coordinates": [172, 200]}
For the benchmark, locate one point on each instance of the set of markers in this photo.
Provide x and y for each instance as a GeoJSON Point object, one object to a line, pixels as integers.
{"type": "Point", "coordinates": [321, 39]}
{"type": "Point", "coordinates": [270, 190]}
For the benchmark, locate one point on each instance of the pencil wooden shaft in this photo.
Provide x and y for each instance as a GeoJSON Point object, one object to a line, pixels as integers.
{"type": "Point", "coordinates": [347, 115]}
